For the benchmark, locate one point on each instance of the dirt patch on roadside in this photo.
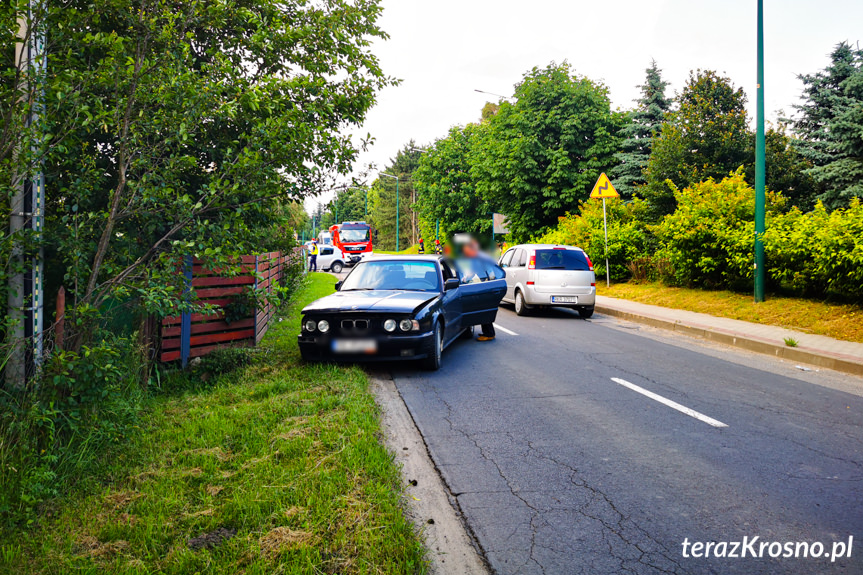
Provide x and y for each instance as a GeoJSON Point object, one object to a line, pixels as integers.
{"type": "Point", "coordinates": [212, 539]}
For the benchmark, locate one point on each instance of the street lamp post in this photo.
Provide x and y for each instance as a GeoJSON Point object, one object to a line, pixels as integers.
{"type": "Point", "coordinates": [760, 166]}
{"type": "Point", "coordinates": [396, 178]}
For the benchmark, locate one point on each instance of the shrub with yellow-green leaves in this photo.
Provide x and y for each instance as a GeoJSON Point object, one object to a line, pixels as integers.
{"type": "Point", "coordinates": [818, 252]}
{"type": "Point", "coordinates": [628, 237]}
{"type": "Point", "coordinates": [709, 238]}
{"type": "Point", "coordinates": [709, 241]}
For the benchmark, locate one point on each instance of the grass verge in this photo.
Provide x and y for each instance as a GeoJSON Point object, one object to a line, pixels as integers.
{"type": "Point", "coordinates": [840, 321]}
{"type": "Point", "coordinates": [273, 467]}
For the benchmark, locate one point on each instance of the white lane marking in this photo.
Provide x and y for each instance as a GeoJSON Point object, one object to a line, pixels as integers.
{"type": "Point", "coordinates": [504, 330]}
{"type": "Point", "coordinates": [669, 403]}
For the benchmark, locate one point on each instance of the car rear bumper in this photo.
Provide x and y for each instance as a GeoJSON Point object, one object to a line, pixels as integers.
{"type": "Point", "coordinates": [532, 297]}
{"type": "Point", "coordinates": [389, 348]}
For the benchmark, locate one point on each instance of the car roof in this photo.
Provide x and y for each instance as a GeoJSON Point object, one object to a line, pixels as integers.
{"type": "Point", "coordinates": [547, 247]}
{"type": "Point", "coordinates": [402, 257]}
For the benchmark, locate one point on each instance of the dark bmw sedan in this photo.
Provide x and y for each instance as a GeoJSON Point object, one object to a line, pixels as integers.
{"type": "Point", "coordinates": [401, 308]}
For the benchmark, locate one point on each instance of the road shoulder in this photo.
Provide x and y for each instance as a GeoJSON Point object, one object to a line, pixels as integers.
{"type": "Point", "coordinates": [450, 547]}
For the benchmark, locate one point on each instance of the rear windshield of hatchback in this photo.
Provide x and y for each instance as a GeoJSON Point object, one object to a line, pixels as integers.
{"type": "Point", "coordinates": [572, 260]}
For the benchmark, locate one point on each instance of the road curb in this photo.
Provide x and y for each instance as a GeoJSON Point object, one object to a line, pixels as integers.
{"type": "Point", "coordinates": [796, 354]}
{"type": "Point", "coordinates": [451, 548]}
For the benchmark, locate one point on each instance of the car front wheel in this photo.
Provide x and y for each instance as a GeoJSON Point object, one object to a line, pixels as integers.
{"type": "Point", "coordinates": [337, 267]}
{"type": "Point", "coordinates": [432, 362]}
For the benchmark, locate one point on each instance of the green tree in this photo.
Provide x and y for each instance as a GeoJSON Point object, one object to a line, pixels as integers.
{"type": "Point", "coordinates": [349, 204]}
{"type": "Point", "coordinates": [830, 124]}
{"type": "Point", "coordinates": [707, 137]}
{"type": "Point", "coordinates": [787, 169]}
{"type": "Point", "coordinates": [544, 153]}
{"type": "Point", "coordinates": [447, 188]}
{"type": "Point", "coordinates": [178, 130]}
{"type": "Point", "coordinates": [382, 203]}
{"type": "Point", "coordinates": [638, 133]}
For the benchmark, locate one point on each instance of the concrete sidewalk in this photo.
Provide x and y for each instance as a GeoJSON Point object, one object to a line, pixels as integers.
{"type": "Point", "coordinates": [817, 350]}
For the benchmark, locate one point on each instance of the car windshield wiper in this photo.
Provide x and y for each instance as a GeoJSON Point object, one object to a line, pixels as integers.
{"type": "Point", "coordinates": [359, 289]}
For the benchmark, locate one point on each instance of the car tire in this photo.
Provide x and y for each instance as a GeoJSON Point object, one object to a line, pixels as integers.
{"type": "Point", "coordinates": [467, 333]}
{"type": "Point", "coordinates": [520, 306]}
{"type": "Point", "coordinates": [432, 362]}
{"type": "Point", "coordinates": [585, 312]}
{"type": "Point", "coordinates": [337, 267]}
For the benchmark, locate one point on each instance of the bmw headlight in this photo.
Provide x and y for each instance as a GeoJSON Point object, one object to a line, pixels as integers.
{"type": "Point", "coordinates": [324, 326]}
{"type": "Point", "coordinates": [405, 325]}
{"type": "Point", "coordinates": [390, 325]}
{"type": "Point", "coordinates": [310, 325]}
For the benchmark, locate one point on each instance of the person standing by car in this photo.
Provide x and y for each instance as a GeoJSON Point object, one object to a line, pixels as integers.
{"type": "Point", "coordinates": [479, 260]}
{"type": "Point", "coordinates": [422, 248]}
{"type": "Point", "coordinates": [313, 256]}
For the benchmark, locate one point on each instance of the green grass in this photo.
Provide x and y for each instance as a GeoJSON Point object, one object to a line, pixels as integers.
{"type": "Point", "coordinates": [287, 454]}
{"type": "Point", "coordinates": [840, 321]}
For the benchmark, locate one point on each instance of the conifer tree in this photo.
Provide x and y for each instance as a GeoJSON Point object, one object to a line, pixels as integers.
{"type": "Point", "coordinates": [830, 125]}
{"type": "Point", "coordinates": [644, 124]}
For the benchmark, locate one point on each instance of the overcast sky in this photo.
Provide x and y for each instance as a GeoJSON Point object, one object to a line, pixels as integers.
{"type": "Point", "coordinates": [443, 50]}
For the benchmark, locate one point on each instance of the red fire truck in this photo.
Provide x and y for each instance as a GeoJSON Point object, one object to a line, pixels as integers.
{"type": "Point", "coordinates": [354, 239]}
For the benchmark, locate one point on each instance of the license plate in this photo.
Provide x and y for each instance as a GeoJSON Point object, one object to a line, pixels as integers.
{"type": "Point", "coordinates": [355, 346]}
{"type": "Point", "coordinates": [564, 299]}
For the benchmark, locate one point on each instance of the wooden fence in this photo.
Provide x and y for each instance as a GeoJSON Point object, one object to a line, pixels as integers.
{"type": "Point", "coordinates": [190, 335]}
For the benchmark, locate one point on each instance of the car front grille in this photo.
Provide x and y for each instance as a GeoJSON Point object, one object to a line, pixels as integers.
{"type": "Point", "coordinates": [355, 326]}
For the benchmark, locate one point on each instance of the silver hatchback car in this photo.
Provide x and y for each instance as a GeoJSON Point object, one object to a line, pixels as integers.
{"type": "Point", "coordinates": [543, 275]}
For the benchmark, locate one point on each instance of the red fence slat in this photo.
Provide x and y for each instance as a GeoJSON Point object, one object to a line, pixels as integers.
{"type": "Point", "coordinates": [211, 286]}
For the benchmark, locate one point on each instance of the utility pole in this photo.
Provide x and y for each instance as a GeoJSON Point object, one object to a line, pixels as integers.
{"type": "Point", "coordinates": [26, 298]}
{"type": "Point", "coordinates": [760, 167]}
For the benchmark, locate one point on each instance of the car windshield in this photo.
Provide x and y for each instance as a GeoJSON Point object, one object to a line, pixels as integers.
{"type": "Point", "coordinates": [395, 275]}
{"type": "Point", "coordinates": [354, 235]}
{"type": "Point", "coordinates": [558, 259]}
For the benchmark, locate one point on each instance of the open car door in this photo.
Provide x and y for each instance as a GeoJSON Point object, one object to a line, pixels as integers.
{"type": "Point", "coordinates": [482, 287]}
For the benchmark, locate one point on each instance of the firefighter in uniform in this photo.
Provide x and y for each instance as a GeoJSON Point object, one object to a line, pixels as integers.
{"type": "Point", "coordinates": [422, 248]}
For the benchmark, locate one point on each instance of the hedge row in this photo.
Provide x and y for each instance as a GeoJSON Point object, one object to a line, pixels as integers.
{"type": "Point", "coordinates": [708, 241]}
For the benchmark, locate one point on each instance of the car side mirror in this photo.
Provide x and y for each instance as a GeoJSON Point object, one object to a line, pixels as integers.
{"type": "Point", "coordinates": [338, 285]}
{"type": "Point", "coordinates": [451, 283]}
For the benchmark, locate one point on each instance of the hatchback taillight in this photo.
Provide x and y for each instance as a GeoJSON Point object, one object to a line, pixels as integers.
{"type": "Point", "coordinates": [531, 264]}
{"type": "Point", "coordinates": [589, 263]}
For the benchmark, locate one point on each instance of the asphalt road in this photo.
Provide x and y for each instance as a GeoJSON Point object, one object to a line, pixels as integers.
{"type": "Point", "coordinates": [560, 466]}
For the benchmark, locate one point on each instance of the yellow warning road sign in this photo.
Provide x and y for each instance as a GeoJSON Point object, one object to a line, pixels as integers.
{"type": "Point", "coordinates": [603, 188]}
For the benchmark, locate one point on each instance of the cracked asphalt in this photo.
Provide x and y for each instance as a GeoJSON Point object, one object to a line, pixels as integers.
{"type": "Point", "coordinates": [557, 469]}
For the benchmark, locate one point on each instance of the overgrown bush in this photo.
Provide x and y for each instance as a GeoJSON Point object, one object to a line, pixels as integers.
{"type": "Point", "coordinates": [64, 422]}
{"type": "Point", "coordinates": [818, 252]}
{"type": "Point", "coordinates": [628, 238]}
{"type": "Point", "coordinates": [708, 240]}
